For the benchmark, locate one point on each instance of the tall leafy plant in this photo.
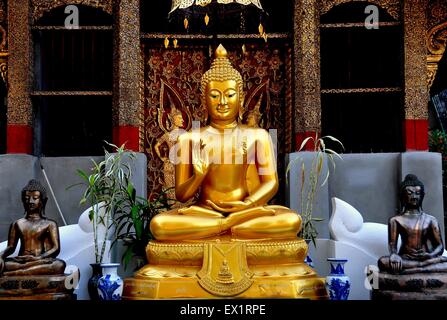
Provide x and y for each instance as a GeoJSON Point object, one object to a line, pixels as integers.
{"type": "Point", "coordinates": [106, 189]}
{"type": "Point", "coordinates": [133, 223]}
{"type": "Point", "coordinates": [312, 180]}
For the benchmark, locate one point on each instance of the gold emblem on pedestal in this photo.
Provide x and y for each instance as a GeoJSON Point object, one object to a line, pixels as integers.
{"type": "Point", "coordinates": [225, 272]}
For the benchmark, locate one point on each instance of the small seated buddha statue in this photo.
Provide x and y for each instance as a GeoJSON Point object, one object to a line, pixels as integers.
{"type": "Point", "coordinates": [36, 262]}
{"type": "Point", "coordinates": [419, 258]}
{"type": "Point", "coordinates": [231, 238]}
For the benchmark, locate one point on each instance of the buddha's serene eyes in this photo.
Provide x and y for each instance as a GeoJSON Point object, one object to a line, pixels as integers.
{"type": "Point", "coordinates": [214, 94]}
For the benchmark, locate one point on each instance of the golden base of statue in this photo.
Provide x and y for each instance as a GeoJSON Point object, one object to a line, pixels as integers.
{"type": "Point", "coordinates": [35, 287]}
{"type": "Point", "coordinates": [226, 267]}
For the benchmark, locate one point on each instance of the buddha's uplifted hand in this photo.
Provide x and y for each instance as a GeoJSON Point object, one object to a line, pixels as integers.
{"type": "Point", "coordinates": [200, 159]}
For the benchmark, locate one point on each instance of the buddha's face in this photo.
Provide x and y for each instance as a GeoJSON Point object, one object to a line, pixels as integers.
{"type": "Point", "coordinates": [412, 197]}
{"type": "Point", "coordinates": [33, 201]}
{"type": "Point", "coordinates": [222, 100]}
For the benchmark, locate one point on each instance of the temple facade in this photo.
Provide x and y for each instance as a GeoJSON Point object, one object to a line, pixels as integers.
{"type": "Point", "coordinates": [77, 72]}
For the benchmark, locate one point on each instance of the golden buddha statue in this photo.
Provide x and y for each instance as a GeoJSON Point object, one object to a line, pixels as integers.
{"type": "Point", "coordinates": [231, 242]}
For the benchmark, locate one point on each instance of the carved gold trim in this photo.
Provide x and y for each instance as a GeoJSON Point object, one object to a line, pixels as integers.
{"type": "Point", "coordinates": [390, 6]}
{"type": "Point", "coordinates": [4, 70]}
{"type": "Point", "coordinates": [360, 90]}
{"type": "Point", "coordinates": [144, 35]}
{"type": "Point", "coordinates": [258, 252]}
{"type": "Point", "coordinates": [95, 28]}
{"type": "Point", "coordinates": [307, 66]}
{"type": "Point", "coordinates": [437, 12]}
{"type": "Point", "coordinates": [357, 25]}
{"type": "Point", "coordinates": [40, 7]}
{"type": "Point", "coordinates": [436, 44]}
{"type": "Point", "coordinates": [72, 93]}
{"type": "Point", "coordinates": [415, 55]}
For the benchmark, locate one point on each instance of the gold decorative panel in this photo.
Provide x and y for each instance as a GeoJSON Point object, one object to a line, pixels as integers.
{"type": "Point", "coordinates": [416, 93]}
{"type": "Point", "coordinates": [436, 36]}
{"type": "Point", "coordinates": [307, 66]}
{"type": "Point", "coordinates": [436, 43]}
{"type": "Point", "coordinates": [437, 12]}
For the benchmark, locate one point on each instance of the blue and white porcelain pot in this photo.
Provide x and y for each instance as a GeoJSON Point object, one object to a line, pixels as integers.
{"type": "Point", "coordinates": [110, 285]}
{"type": "Point", "coordinates": [337, 283]}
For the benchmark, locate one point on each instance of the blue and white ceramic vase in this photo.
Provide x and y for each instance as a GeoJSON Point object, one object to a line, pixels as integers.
{"type": "Point", "coordinates": [337, 283]}
{"type": "Point", "coordinates": [308, 259]}
{"type": "Point", "coordinates": [110, 285]}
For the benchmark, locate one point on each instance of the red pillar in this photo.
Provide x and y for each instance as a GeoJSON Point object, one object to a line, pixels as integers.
{"type": "Point", "coordinates": [301, 136]}
{"type": "Point", "coordinates": [416, 135]}
{"type": "Point", "coordinates": [19, 139]}
{"type": "Point", "coordinates": [129, 135]}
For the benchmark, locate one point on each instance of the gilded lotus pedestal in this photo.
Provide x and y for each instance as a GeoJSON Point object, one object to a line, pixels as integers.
{"type": "Point", "coordinates": [226, 267]}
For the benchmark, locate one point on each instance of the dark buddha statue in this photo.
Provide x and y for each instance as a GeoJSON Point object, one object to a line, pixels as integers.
{"type": "Point", "coordinates": [421, 242]}
{"type": "Point", "coordinates": [39, 239]}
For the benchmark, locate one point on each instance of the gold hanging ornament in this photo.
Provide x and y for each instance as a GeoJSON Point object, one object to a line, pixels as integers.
{"type": "Point", "coordinates": [207, 19]}
{"type": "Point", "coordinates": [186, 23]}
{"type": "Point", "coordinates": [166, 42]}
{"type": "Point", "coordinates": [244, 49]}
{"type": "Point", "coordinates": [261, 29]}
{"type": "Point", "coordinates": [175, 43]}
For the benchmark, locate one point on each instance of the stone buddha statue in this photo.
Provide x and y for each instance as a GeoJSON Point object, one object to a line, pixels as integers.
{"type": "Point", "coordinates": [231, 238]}
{"type": "Point", "coordinates": [419, 258]}
{"type": "Point", "coordinates": [36, 264]}
{"type": "Point", "coordinates": [422, 248]}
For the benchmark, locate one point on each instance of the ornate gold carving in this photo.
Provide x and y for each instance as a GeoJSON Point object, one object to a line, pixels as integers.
{"type": "Point", "coordinates": [4, 70]}
{"type": "Point", "coordinates": [19, 63]}
{"type": "Point", "coordinates": [357, 25]}
{"type": "Point", "coordinates": [252, 36]}
{"type": "Point", "coordinates": [225, 276]}
{"type": "Point", "coordinates": [307, 66]}
{"type": "Point", "coordinates": [391, 6]}
{"type": "Point", "coordinates": [437, 12]}
{"type": "Point", "coordinates": [127, 107]}
{"type": "Point", "coordinates": [416, 93]}
{"type": "Point", "coordinates": [361, 90]}
{"type": "Point", "coordinates": [72, 93]}
{"type": "Point", "coordinates": [233, 276]}
{"type": "Point", "coordinates": [40, 7]}
{"type": "Point", "coordinates": [258, 252]}
{"type": "Point", "coordinates": [436, 44]}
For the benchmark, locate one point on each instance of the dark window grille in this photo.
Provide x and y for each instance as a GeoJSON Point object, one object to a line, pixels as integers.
{"type": "Point", "coordinates": [72, 95]}
{"type": "Point", "coordinates": [362, 80]}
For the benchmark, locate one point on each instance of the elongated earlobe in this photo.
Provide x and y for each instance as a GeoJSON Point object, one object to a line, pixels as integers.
{"type": "Point", "coordinates": [241, 110]}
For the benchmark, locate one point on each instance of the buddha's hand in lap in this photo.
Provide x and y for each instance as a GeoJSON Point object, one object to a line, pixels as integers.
{"type": "Point", "coordinates": [417, 254]}
{"type": "Point", "coordinates": [25, 258]}
{"type": "Point", "coordinates": [230, 206]}
{"type": "Point", "coordinates": [395, 263]}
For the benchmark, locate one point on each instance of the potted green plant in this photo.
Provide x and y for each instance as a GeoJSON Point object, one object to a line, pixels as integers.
{"type": "Point", "coordinates": [133, 223]}
{"type": "Point", "coordinates": [311, 181]}
{"type": "Point", "coordinates": [105, 191]}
